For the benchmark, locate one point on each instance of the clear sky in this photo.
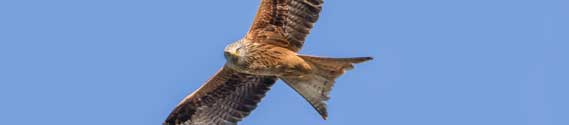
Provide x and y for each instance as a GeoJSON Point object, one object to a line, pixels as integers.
{"type": "Point", "coordinates": [437, 62]}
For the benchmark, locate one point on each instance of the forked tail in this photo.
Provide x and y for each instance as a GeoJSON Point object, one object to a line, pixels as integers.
{"type": "Point", "coordinates": [315, 87]}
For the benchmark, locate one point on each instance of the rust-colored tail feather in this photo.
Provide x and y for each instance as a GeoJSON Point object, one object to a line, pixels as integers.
{"type": "Point", "coordinates": [315, 87]}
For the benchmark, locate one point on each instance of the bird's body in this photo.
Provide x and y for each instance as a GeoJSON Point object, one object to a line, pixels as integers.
{"type": "Point", "coordinates": [264, 59]}
{"type": "Point", "coordinates": [267, 53]}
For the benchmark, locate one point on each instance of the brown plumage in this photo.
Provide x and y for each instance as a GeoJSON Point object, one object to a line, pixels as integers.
{"type": "Point", "coordinates": [284, 23]}
{"type": "Point", "coordinates": [225, 98]}
{"type": "Point", "coordinates": [268, 52]}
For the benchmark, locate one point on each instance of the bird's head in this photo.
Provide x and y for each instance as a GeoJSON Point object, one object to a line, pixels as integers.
{"type": "Point", "coordinates": [232, 51]}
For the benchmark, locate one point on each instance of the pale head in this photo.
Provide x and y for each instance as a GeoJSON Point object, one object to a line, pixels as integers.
{"type": "Point", "coordinates": [232, 51]}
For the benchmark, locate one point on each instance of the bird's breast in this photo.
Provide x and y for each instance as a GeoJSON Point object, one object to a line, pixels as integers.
{"type": "Point", "coordinates": [266, 59]}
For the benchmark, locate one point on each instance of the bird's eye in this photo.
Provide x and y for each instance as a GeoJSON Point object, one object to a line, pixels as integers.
{"type": "Point", "coordinates": [237, 50]}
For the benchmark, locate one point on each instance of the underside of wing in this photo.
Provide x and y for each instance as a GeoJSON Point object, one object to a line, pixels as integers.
{"type": "Point", "coordinates": [284, 23]}
{"type": "Point", "coordinates": [225, 99]}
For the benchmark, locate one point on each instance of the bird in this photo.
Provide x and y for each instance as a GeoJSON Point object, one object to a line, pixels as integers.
{"type": "Point", "coordinates": [268, 52]}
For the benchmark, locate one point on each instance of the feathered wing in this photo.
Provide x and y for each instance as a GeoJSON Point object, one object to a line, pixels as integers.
{"type": "Point", "coordinates": [284, 23]}
{"type": "Point", "coordinates": [224, 99]}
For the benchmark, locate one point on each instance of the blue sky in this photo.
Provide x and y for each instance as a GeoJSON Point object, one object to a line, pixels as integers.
{"type": "Point", "coordinates": [437, 62]}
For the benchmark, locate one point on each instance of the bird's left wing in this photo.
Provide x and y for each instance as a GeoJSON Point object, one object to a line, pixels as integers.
{"type": "Point", "coordinates": [224, 99]}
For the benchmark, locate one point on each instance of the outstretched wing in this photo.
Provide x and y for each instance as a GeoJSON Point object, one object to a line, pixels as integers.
{"type": "Point", "coordinates": [224, 99]}
{"type": "Point", "coordinates": [284, 23]}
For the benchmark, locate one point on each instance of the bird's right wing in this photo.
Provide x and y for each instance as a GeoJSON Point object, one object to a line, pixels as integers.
{"type": "Point", "coordinates": [224, 99]}
{"type": "Point", "coordinates": [284, 23]}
